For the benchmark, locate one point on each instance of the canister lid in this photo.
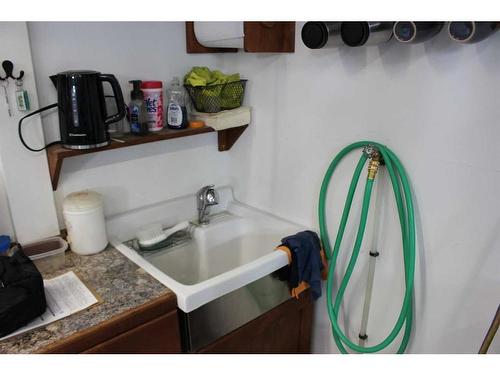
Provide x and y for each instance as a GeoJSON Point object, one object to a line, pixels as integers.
{"type": "Point", "coordinates": [355, 34]}
{"type": "Point", "coordinates": [314, 34]}
{"type": "Point", "coordinates": [151, 84]}
{"type": "Point", "coordinates": [81, 201]}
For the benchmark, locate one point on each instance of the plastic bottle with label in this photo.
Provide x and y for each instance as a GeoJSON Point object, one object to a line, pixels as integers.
{"type": "Point", "coordinates": [176, 107]}
{"type": "Point", "coordinates": [153, 98]}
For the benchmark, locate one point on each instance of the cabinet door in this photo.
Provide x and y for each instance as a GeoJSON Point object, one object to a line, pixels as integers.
{"type": "Point", "coordinates": [124, 333]}
{"type": "Point", "coordinates": [285, 329]}
{"type": "Point", "coordinates": [159, 336]}
{"type": "Point", "coordinates": [269, 37]}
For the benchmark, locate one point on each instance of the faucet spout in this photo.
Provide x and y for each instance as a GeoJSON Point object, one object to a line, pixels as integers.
{"type": "Point", "coordinates": [205, 197]}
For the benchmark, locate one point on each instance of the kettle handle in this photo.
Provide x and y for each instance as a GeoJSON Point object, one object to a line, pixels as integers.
{"type": "Point", "coordinates": [118, 95]}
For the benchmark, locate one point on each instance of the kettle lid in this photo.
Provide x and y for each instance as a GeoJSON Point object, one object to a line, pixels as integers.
{"type": "Point", "coordinates": [68, 74]}
{"type": "Point", "coordinates": [78, 72]}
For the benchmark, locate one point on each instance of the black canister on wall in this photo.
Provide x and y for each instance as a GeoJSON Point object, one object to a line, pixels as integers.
{"type": "Point", "coordinates": [470, 31]}
{"type": "Point", "coordinates": [357, 34]}
{"type": "Point", "coordinates": [316, 35]}
{"type": "Point", "coordinates": [416, 32]}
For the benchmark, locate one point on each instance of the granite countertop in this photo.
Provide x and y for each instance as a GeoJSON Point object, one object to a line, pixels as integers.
{"type": "Point", "coordinates": [120, 284]}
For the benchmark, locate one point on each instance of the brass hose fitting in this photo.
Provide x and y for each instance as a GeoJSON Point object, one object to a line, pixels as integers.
{"type": "Point", "coordinates": [373, 168]}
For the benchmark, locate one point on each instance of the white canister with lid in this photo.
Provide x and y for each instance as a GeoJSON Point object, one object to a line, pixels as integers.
{"type": "Point", "coordinates": [84, 217]}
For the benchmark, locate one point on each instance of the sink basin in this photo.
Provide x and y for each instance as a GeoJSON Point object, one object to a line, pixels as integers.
{"type": "Point", "coordinates": [229, 242]}
{"type": "Point", "coordinates": [236, 248]}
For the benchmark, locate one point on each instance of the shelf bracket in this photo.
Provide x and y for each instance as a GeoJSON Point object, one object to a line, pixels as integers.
{"type": "Point", "coordinates": [55, 165]}
{"type": "Point", "coordinates": [228, 137]}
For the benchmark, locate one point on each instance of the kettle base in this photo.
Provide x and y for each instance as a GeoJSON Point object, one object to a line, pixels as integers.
{"type": "Point", "coordinates": [86, 147]}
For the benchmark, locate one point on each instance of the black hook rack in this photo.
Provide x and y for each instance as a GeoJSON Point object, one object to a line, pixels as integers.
{"type": "Point", "coordinates": [8, 67]}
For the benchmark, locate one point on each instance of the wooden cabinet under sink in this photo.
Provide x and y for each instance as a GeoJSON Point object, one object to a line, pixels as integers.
{"type": "Point", "coordinates": [154, 328]}
{"type": "Point", "coordinates": [284, 329]}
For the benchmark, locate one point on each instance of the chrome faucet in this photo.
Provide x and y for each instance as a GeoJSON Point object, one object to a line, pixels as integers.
{"type": "Point", "coordinates": [205, 197]}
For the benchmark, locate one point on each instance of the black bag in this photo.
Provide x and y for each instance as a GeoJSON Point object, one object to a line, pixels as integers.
{"type": "Point", "coordinates": [22, 297]}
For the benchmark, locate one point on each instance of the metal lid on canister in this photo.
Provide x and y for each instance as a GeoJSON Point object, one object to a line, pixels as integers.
{"type": "Point", "coordinates": [82, 201]}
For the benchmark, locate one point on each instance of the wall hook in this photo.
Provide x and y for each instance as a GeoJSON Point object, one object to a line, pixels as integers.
{"type": "Point", "coordinates": [8, 67]}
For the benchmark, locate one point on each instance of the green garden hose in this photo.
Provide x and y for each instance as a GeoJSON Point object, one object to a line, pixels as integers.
{"type": "Point", "coordinates": [402, 194]}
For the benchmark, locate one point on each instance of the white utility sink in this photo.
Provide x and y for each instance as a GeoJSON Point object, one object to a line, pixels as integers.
{"type": "Point", "coordinates": [236, 248]}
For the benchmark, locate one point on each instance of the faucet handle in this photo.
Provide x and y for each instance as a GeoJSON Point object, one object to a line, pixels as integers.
{"type": "Point", "coordinates": [203, 190]}
{"type": "Point", "coordinates": [212, 196]}
{"type": "Point", "coordinates": [207, 196]}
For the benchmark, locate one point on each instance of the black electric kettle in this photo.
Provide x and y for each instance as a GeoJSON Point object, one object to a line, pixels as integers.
{"type": "Point", "coordinates": [83, 119]}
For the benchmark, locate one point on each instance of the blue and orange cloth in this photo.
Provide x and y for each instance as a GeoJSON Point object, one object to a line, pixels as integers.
{"type": "Point", "coordinates": [307, 264]}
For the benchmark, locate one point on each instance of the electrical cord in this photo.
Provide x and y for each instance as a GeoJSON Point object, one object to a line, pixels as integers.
{"type": "Point", "coordinates": [404, 203]}
{"type": "Point", "coordinates": [19, 129]}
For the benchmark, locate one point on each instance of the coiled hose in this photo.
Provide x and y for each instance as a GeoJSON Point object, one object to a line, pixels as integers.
{"type": "Point", "coordinates": [403, 197]}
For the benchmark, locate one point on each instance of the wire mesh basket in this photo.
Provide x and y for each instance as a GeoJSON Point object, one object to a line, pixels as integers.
{"type": "Point", "coordinates": [216, 98]}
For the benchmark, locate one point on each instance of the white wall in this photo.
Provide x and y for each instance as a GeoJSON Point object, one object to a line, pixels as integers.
{"type": "Point", "coordinates": [24, 175]}
{"type": "Point", "coordinates": [139, 175]}
{"type": "Point", "coordinates": [437, 106]}
{"type": "Point", "coordinates": [6, 225]}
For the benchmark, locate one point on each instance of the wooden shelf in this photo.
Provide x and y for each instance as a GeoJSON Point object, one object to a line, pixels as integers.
{"type": "Point", "coordinates": [56, 153]}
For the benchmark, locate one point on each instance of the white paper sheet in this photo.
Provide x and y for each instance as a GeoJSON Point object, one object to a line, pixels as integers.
{"type": "Point", "coordinates": [65, 295]}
